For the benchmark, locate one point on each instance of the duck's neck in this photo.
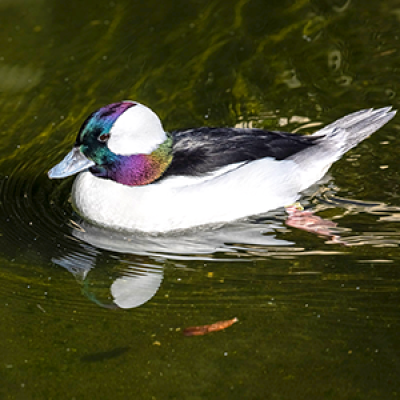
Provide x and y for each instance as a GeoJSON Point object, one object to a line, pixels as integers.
{"type": "Point", "coordinates": [138, 169]}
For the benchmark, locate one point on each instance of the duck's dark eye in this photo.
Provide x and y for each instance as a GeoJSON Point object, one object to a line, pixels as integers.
{"type": "Point", "coordinates": [104, 137]}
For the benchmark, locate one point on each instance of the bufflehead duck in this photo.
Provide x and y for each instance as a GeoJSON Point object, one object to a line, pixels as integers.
{"type": "Point", "coordinates": [135, 176]}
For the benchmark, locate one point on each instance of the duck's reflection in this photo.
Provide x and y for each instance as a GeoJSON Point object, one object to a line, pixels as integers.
{"type": "Point", "coordinates": [120, 270]}
{"type": "Point", "coordinates": [137, 286]}
{"type": "Point", "coordinates": [130, 268]}
{"type": "Point", "coordinates": [125, 285]}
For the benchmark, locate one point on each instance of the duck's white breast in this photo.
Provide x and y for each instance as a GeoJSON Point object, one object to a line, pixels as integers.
{"type": "Point", "coordinates": [180, 203]}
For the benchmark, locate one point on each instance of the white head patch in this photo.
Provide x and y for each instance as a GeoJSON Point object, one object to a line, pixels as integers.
{"type": "Point", "coordinates": [137, 131]}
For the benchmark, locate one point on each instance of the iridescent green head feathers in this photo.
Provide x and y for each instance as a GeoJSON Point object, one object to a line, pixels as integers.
{"type": "Point", "coordinates": [124, 142]}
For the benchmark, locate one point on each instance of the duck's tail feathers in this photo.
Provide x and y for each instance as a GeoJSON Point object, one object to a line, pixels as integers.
{"type": "Point", "coordinates": [336, 139]}
{"type": "Point", "coordinates": [345, 133]}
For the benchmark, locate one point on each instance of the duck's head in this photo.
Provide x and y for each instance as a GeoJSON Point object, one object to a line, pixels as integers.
{"type": "Point", "coordinates": [124, 142]}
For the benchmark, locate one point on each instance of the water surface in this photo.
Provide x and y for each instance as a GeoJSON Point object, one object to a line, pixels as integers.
{"type": "Point", "coordinates": [88, 313]}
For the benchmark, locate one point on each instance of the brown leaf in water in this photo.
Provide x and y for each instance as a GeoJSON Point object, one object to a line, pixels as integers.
{"type": "Point", "coordinates": [204, 329]}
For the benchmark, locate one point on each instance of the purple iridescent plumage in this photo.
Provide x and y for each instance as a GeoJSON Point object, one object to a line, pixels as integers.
{"type": "Point", "coordinates": [104, 118]}
{"type": "Point", "coordinates": [135, 170]}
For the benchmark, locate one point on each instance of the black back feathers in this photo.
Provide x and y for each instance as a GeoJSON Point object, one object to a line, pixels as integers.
{"type": "Point", "coordinates": [200, 151]}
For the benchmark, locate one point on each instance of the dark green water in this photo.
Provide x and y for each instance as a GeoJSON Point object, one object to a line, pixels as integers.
{"type": "Point", "coordinates": [89, 314]}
